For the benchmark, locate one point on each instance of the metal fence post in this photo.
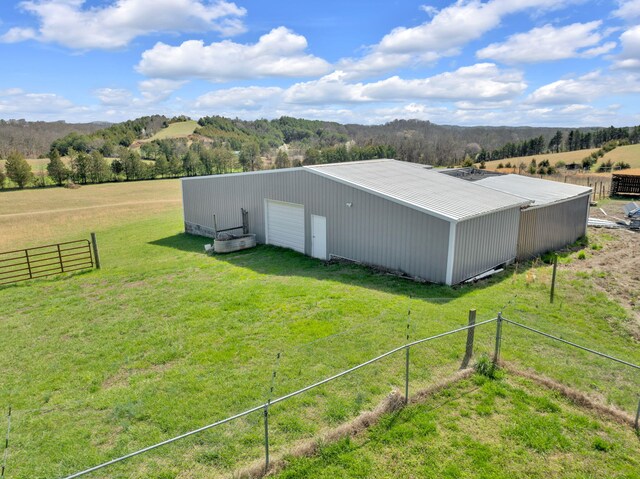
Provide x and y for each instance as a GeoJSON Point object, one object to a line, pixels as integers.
{"type": "Point", "coordinates": [553, 278]}
{"type": "Point", "coordinates": [406, 366]}
{"type": "Point", "coordinates": [266, 437]}
{"type": "Point", "coordinates": [496, 354]}
{"type": "Point", "coordinates": [637, 425]}
{"type": "Point", "coordinates": [96, 253]}
{"type": "Point", "coordinates": [60, 259]}
{"type": "Point", "coordinates": [6, 445]}
{"type": "Point", "coordinates": [26, 254]}
{"type": "Point", "coordinates": [470, 338]}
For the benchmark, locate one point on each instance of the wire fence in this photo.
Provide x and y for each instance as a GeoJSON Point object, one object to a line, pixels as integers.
{"type": "Point", "coordinates": [342, 394]}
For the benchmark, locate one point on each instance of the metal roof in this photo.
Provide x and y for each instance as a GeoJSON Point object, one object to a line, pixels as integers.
{"type": "Point", "coordinates": [413, 185]}
{"type": "Point", "coordinates": [541, 192]}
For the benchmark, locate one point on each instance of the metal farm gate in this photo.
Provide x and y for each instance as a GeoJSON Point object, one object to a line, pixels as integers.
{"type": "Point", "coordinates": [41, 261]}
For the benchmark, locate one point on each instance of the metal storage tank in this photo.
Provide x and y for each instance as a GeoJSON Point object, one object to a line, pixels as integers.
{"type": "Point", "coordinates": [557, 217]}
{"type": "Point", "coordinates": [390, 214]}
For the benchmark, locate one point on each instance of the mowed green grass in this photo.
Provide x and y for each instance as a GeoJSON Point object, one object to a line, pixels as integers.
{"type": "Point", "coordinates": [481, 428]}
{"type": "Point", "coordinates": [176, 130]}
{"type": "Point", "coordinates": [165, 339]}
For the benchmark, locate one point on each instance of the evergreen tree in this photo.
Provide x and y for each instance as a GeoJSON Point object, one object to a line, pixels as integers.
{"type": "Point", "coordinates": [3, 178]}
{"type": "Point", "coordinates": [18, 170]}
{"type": "Point", "coordinates": [282, 160]}
{"type": "Point", "coordinates": [79, 166]}
{"type": "Point", "coordinates": [556, 142]}
{"type": "Point", "coordinates": [98, 169]}
{"type": "Point", "coordinates": [312, 156]}
{"type": "Point", "coordinates": [57, 169]}
{"type": "Point", "coordinates": [116, 168]}
{"type": "Point", "coordinates": [132, 165]}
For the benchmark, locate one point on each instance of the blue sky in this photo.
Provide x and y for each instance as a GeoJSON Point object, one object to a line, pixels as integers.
{"type": "Point", "coordinates": [494, 62]}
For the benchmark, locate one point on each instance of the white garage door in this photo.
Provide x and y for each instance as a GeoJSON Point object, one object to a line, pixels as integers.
{"type": "Point", "coordinates": [285, 225]}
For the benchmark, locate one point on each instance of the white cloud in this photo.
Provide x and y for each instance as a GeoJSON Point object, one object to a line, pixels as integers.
{"type": "Point", "coordinates": [487, 105]}
{"type": "Point", "coordinates": [584, 89]}
{"type": "Point", "coordinates": [279, 53]}
{"type": "Point", "coordinates": [628, 9]}
{"type": "Point", "coordinates": [480, 82]}
{"type": "Point", "coordinates": [629, 58]}
{"type": "Point", "coordinates": [444, 34]}
{"type": "Point", "coordinates": [113, 96]}
{"type": "Point", "coordinates": [157, 89]}
{"type": "Point", "coordinates": [331, 88]}
{"type": "Point", "coordinates": [567, 91]}
{"type": "Point", "coordinates": [600, 50]}
{"type": "Point", "coordinates": [68, 23]}
{"type": "Point", "coordinates": [239, 98]}
{"type": "Point", "coordinates": [17, 102]}
{"type": "Point", "coordinates": [17, 34]}
{"type": "Point", "coordinates": [374, 63]}
{"type": "Point", "coordinates": [548, 43]}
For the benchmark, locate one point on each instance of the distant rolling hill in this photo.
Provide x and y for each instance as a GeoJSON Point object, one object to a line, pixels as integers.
{"type": "Point", "coordinates": [33, 138]}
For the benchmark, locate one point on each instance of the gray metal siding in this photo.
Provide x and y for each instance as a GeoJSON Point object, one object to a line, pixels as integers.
{"type": "Point", "coordinates": [485, 242]}
{"type": "Point", "coordinates": [548, 228]}
{"type": "Point", "coordinates": [373, 230]}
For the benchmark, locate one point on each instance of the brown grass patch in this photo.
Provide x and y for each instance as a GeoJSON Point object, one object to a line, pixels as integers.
{"type": "Point", "coordinates": [576, 397]}
{"type": "Point", "coordinates": [393, 402]}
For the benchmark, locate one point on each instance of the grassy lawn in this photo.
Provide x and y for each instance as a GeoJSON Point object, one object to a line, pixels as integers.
{"type": "Point", "coordinates": [482, 428]}
{"type": "Point", "coordinates": [165, 339]}
{"type": "Point", "coordinates": [176, 130]}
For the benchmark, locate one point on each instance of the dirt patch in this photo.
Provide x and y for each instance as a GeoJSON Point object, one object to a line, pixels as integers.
{"type": "Point", "coordinates": [615, 268]}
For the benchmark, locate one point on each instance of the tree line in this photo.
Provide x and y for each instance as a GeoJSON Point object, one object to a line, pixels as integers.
{"type": "Point", "coordinates": [171, 158]}
{"type": "Point", "coordinates": [574, 140]}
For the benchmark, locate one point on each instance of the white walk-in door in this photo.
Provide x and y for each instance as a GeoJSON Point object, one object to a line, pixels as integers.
{"type": "Point", "coordinates": [285, 224]}
{"type": "Point", "coordinates": [319, 237]}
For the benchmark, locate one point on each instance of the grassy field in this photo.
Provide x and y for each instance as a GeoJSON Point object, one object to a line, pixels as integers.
{"type": "Point", "coordinates": [629, 154]}
{"type": "Point", "coordinates": [46, 215]}
{"type": "Point", "coordinates": [176, 130]}
{"type": "Point", "coordinates": [164, 338]}
{"type": "Point", "coordinates": [566, 156]}
{"type": "Point", "coordinates": [482, 428]}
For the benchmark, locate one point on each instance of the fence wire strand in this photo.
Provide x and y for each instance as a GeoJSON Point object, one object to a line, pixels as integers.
{"type": "Point", "coordinates": [274, 401]}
